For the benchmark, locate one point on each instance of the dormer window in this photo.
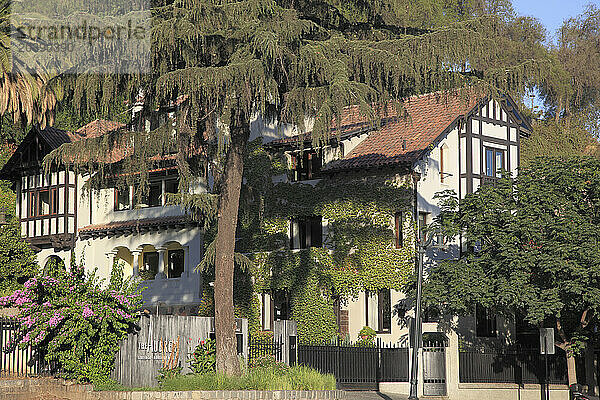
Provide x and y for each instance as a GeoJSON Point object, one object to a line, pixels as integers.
{"type": "Point", "coordinates": [306, 165]}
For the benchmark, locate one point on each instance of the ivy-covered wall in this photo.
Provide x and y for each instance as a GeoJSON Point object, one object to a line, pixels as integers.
{"type": "Point", "coordinates": [359, 252]}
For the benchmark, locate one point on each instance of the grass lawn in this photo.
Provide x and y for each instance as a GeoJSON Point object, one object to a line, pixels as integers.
{"type": "Point", "coordinates": [295, 378]}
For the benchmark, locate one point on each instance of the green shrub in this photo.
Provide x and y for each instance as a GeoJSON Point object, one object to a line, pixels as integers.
{"type": "Point", "coordinates": [366, 336]}
{"type": "Point", "coordinates": [204, 358]}
{"type": "Point", "coordinates": [269, 362]}
{"type": "Point", "coordinates": [166, 373]}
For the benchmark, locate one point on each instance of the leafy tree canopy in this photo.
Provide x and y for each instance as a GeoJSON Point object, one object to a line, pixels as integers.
{"type": "Point", "coordinates": [575, 136]}
{"type": "Point", "coordinates": [532, 248]}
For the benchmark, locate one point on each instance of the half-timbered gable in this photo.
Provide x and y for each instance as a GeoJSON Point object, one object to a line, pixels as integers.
{"type": "Point", "coordinates": [490, 143]}
{"type": "Point", "coordinates": [46, 202]}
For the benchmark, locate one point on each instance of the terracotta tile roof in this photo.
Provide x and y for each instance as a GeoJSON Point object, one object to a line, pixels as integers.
{"type": "Point", "coordinates": [98, 127]}
{"type": "Point", "coordinates": [134, 225]}
{"type": "Point", "coordinates": [400, 139]}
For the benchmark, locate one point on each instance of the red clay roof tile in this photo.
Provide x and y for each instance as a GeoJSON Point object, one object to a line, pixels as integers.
{"type": "Point", "coordinates": [400, 139]}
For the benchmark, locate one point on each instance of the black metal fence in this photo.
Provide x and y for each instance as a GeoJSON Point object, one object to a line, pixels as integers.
{"type": "Point", "coordinates": [19, 362]}
{"type": "Point", "coordinates": [258, 349]}
{"type": "Point", "coordinates": [357, 367]}
{"type": "Point", "coordinates": [510, 367]}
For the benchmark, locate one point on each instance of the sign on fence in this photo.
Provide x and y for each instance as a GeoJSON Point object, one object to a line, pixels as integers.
{"type": "Point", "coordinates": [165, 341]}
{"type": "Point", "coordinates": [547, 341]}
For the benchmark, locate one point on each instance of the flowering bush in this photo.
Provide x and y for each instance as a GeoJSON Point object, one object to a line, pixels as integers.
{"type": "Point", "coordinates": [204, 357]}
{"type": "Point", "coordinates": [269, 362]}
{"type": "Point", "coordinates": [75, 321]}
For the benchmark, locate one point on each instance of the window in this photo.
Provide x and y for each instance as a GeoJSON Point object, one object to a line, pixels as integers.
{"type": "Point", "coordinates": [176, 263]}
{"type": "Point", "coordinates": [379, 310]}
{"type": "Point", "coordinates": [281, 306]}
{"type": "Point", "coordinates": [398, 230]}
{"type": "Point", "coordinates": [54, 200]}
{"type": "Point", "coordinates": [155, 194]}
{"type": "Point", "coordinates": [384, 311]}
{"type": "Point", "coordinates": [43, 202]}
{"type": "Point", "coordinates": [31, 204]}
{"type": "Point", "coordinates": [485, 322]}
{"type": "Point", "coordinates": [306, 232]}
{"type": "Point", "coordinates": [494, 162]}
{"type": "Point", "coordinates": [527, 335]}
{"type": "Point", "coordinates": [149, 265]}
{"type": "Point", "coordinates": [306, 165]}
{"type": "Point", "coordinates": [431, 314]}
{"type": "Point", "coordinates": [122, 199]}
{"type": "Point", "coordinates": [172, 186]}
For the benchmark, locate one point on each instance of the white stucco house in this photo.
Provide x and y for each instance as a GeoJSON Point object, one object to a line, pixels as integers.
{"type": "Point", "coordinates": [446, 142]}
{"type": "Point", "coordinates": [159, 243]}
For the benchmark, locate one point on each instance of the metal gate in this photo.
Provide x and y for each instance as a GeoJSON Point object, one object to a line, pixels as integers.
{"type": "Point", "coordinates": [434, 371]}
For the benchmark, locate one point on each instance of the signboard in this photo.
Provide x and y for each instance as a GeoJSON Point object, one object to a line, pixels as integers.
{"type": "Point", "coordinates": [547, 341]}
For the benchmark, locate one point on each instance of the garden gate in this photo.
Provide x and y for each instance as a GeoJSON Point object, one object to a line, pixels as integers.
{"type": "Point", "coordinates": [434, 371]}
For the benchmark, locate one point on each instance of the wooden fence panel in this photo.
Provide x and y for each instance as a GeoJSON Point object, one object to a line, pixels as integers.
{"type": "Point", "coordinates": [161, 340]}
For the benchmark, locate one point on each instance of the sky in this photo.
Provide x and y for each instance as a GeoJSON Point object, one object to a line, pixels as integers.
{"type": "Point", "coordinates": [552, 12]}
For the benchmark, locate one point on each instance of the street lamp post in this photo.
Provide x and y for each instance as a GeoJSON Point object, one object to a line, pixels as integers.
{"type": "Point", "coordinates": [422, 245]}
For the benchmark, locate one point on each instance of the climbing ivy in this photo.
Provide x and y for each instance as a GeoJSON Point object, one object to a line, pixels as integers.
{"type": "Point", "coordinates": [359, 253]}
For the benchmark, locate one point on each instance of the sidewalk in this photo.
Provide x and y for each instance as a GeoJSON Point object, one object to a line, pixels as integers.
{"type": "Point", "coordinates": [365, 395]}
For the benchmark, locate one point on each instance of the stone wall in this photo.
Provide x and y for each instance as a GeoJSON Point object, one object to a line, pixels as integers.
{"type": "Point", "coordinates": [55, 389]}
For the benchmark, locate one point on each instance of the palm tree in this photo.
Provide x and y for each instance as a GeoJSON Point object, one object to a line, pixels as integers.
{"type": "Point", "coordinates": [24, 89]}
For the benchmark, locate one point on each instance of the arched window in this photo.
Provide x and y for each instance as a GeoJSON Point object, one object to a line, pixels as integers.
{"type": "Point", "coordinates": [54, 265]}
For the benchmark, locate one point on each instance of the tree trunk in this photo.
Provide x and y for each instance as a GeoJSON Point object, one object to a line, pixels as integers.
{"type": "Point", "coordinates": [571, 371]}
{"type": "Point", "coordinates": [227, 361]}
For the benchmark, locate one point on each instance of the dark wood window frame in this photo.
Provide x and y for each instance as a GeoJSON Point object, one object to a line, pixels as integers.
{"type": "Point", "coordinates": [384, 310]}
{"type": "Point", "coordinates": [306, 165]}
{"type": "Point", "coordinates": [31, 204]}
{"type": "Point", "coordinates": [398, 234]}
{"type": "Point", "coordinates": [117, 197]}
{"type": "Point", "coordinates": [485, 322]}
{"type": "Point", "coordinates": [54, 202]}
{"type": "Point", "coordinates": [310, 232]}
{"type": "Point", "coordinates": [40, 212]}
